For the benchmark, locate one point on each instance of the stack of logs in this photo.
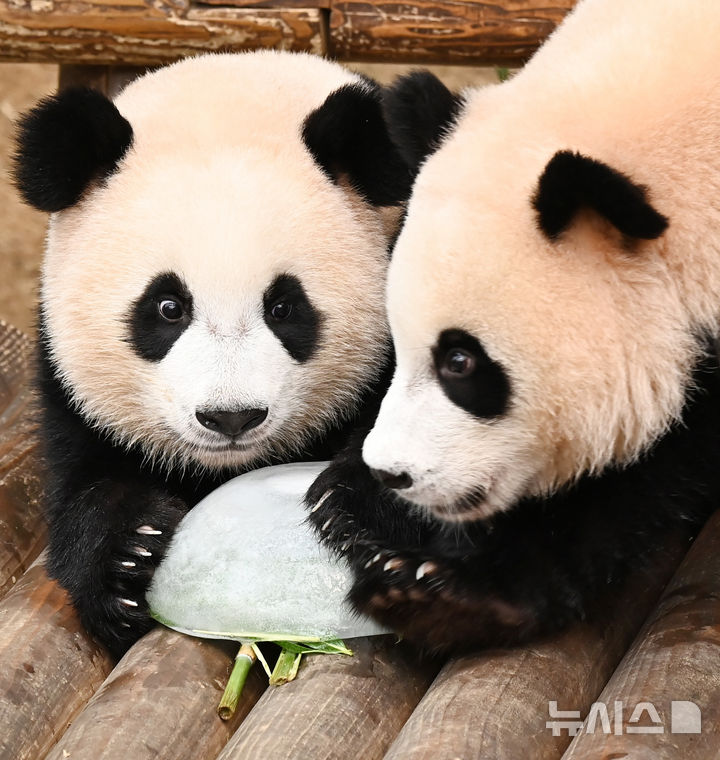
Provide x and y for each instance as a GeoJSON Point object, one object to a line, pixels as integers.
{"type": "Point", "coordinates": [61, 695]}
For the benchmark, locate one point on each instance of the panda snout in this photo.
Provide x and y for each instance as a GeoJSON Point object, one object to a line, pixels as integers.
{"type": "Point", "coordinates": [397, 481]}
{"type": "Point", "coordinates": [231, 423]}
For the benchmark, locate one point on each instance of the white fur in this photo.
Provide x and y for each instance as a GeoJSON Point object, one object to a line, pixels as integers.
{"type": "Point", "coordinates": [598, 340]}
{"type": "Point", "coordinates": [219, 188]}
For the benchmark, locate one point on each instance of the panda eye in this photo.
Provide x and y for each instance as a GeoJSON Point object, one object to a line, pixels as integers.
{"type": "Point", "coordinates": [281, 310]}
{"type": "Point", "coordinates": [457, 364]}
{"type": "Point", "coordinates": [171, 309]}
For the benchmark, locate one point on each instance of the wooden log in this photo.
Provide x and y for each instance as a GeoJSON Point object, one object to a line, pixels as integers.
{"type": "Point", "coordinates": [497, 704]}
{"type": "Point", "coordinates": [22, 533]}
{"type": "Point", "coordinates": [161, 702]}
{"type": "Point", "coordinates": [443, 31]}
{"type": "Point", "coordinates": [673, 667]}
{"type": "Point", "coordinates": [269, 3]}
{"type": "Point", "coordinates": [49, 666]}
{"type": "Point", "coordinates": [147, 32]}
{"type": "Point", "coordinates": [339, 707]}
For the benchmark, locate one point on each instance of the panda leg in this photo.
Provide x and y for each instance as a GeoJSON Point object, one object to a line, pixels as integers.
{"type": "Point", "coordinates": [105, 542]}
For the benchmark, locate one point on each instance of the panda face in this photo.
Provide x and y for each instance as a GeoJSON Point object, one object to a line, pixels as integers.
{"type": "Point", "coordinates": [524, 359]}
{"type": "Point", "coordinates": [170, 326]}
{"type": "Point", "coordinates": [201, 309]}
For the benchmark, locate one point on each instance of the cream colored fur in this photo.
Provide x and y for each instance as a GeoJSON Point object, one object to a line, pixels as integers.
{"type": "Point", "coordinates": [598, 339]}
{"type": "Point", "coordinates": [218, 188]}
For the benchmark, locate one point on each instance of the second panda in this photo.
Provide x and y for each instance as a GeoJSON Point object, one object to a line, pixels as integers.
{"type": "Point", "coordinates": [212, 297]}
{"type": "Point", "coordinates": [554, 300]}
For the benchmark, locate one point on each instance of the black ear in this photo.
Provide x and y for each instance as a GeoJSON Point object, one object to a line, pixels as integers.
{"type": "Point", "coordinates": [64, 143]}
{"type": "Point", "coordinates": [419, 109]}
{"type": "Point", "coordinates": [572, 181]}
{"type": "Point", "coordinates": [347, 136]}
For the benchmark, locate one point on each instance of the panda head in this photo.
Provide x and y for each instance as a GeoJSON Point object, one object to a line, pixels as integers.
{"type": "Point", "coordinates": [214, 274]}
{"type": "Point", "coordinates": [538, 332]}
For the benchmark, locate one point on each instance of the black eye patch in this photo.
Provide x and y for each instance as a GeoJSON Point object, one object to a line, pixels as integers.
{"type": "Point", "coordinates": [152, 335]}
{"type": "Point", "coordinates": [468, 376]}
{"type": "Point", "coordinates": [291, 317]}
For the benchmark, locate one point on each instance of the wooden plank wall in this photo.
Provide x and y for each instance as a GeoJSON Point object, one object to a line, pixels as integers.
{"type": "Point", "coordinates": [153, 32]}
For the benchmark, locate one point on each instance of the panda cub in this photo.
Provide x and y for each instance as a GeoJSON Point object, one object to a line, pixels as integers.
{"type": "Point", "coordinates": [211, 230]}
{"type": "Point", "coordinates": [553, 299]}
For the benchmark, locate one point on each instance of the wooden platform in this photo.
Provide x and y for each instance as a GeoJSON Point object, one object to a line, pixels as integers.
{"type": "Point", "coordinates": [61, 696]}
{"type": "Point", "coordinates": [151, 32]}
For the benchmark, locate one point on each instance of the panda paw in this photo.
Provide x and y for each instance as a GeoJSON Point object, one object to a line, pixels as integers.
{"type": "Point", "coordinates": [436, 603]}
{"type": "Point", "coordinates": [339, 503]}
{"type": "Point", "coordinates": [439, 602]}
{"type": "Point", "coordinates": [120, 614]}
{"type": "Point", "coordinates": [351, 513]}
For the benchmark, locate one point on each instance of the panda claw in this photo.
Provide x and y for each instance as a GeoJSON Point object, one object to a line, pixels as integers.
{"type": "Point", "coordinates": [394, 563]}
{"type": "Point", "coordinates": [142, 552]}
{"type": "Point", "coordinates": [327, 523]}
{"type": "Point", "coordinates": [372, 561]}
{"type": "Point", "coordinates": [148, 530]}
{"type": "Point", "coordinates": [125, 625]}
{"type": "Point", "coordinates": [321, 500]}
{"type": "Point", "coordinates": [128, 563]}
{"type": "Point", "coordinates": [127, 602]}
{"type": "Point", "coordinates": [425, 569]}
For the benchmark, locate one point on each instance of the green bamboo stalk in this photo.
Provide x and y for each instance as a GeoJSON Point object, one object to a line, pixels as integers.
{"type": "Point", "coordinates": [244, 660]}
{"type": "Point", "coordinates": [286, 667]}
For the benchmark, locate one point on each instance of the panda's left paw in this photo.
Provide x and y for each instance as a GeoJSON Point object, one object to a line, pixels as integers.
{"type": "Point", "coordinates": [436, 604]}
{"type": "Point", "coordinates": [343, 504]}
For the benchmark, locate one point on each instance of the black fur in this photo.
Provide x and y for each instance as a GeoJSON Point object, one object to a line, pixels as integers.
{"type": "Point", "coordinates": [347, 136]}
{"type": "Point", "coordinates": [299, 331]}
{"type": "Point", "coordinates": [151, 336]}
{"type": "Point", "coordinates": [486, 390]}
{"type": "Point", "coordinates": [572, 181]}
{"type": "Point", "coordinates": [533, 569]}
{"type": "Point", "coordinates": [99, 494]}
{"type": "Point", "coordinates": [419, 111]}
{"type": "Point", "coordinates": [66, 142]}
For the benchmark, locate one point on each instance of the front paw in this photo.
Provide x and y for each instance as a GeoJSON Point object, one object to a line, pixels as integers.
{"type": "Point", "coordinates": [341, 503]}
{"type": "Point", "coordinates": [352, 513]}
{"type": "Point", "coordinates": [119, 614]}
{"type": "Point", "coordinates": [437, 604]}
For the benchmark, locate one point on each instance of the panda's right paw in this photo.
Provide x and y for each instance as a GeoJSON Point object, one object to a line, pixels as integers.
{"type": "Point", "coordinates": [119, 614]}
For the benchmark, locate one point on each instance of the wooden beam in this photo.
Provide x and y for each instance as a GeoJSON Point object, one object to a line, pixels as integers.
{"type": "Point", "coordinates": [160, 703]}
{"type": "Point", "coordinates": [443, 31]}
{"type": "Point", "coordinates": [22, 532]}
{"type": "Point", "coordinates": [675, 658]}
{"type": "Point", "coordinates": [496, 704]}
{"type": "Point", "coordinates": [339, 707]}
{"type": "Point", "coordinates": [49, 666]}
{"type": "Point", "coordinates": [148, 32]}
{"type": "Point", "coordinates": [277, 4]}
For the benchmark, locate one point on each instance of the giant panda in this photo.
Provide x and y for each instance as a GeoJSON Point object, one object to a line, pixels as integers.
{"type": "Point", "coordinates": [553, 298]}
{"type": "Point", "coordinates": [211, 299]}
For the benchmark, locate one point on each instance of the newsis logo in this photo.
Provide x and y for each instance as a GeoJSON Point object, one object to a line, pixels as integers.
{"type": "Point", "coordinates": [685, 718]}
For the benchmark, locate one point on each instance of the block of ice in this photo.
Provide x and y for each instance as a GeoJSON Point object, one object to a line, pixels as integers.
{"type": "Point", "coordinates": [244, 565]}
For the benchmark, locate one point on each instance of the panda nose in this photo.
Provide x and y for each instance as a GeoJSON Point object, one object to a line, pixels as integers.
{"type": "Point", "coordinates": [229, 423]}
{"type": "Point", "coordinates": [398, 481]}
